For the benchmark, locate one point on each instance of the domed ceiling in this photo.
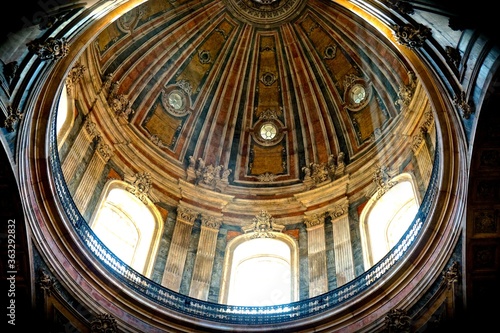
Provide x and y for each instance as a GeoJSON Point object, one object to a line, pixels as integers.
{"type": "Point", "coordinates": [253, 97]}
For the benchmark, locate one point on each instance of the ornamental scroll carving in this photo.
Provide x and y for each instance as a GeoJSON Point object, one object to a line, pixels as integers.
{"type": "Point", "coordinates": [47, 283]}
{"type": "Point", "coordinates": [75, 75]}
{"type": "Point", "coordinates": [141, 186]}
{"type": "Point", "coordinates": [103, 323]}
{"type": "Point", "coordinates": [263, 226]}
{"type": "Point", "coordinates": [50, 49]}
{"type": "Point", "coordinates": [461, 102]}
{"type": "Point", "coordinates": [214, 177]}
{"type": "Point", "coordinates": [382, 179]}
{"type": "Point", "coordinates": [120, 105]}
{"type": "Point", "coordinates": [452, 275]}
{"type": "Point", "coordinates": [397, 321]}
{"type": "Point", "coordinates": [405, 93]}
{"type": "Point", "coordinates": [12, 118]}
{"type": "Point", "coordinates": [319, 173]}
{"type": "Point", "coordinates": [411, 36]}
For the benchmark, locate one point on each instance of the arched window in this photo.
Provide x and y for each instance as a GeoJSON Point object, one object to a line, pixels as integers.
{"type": "Point", "coordinates": [65, 116]}
{"type": "Point", "coordinates": [127, 226]}
{"type": "Point", "coordinates": [260, 271]}
{"type": "Point", "coordinates": [386, 217]}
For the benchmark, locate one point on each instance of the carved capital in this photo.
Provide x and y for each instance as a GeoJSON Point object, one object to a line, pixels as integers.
{"type": "Point", "coordinates": [339, 211]}
{"type": "Point", "coordinates": [212, 222]}
{"type": "Point", "coordinates": [186, 214]}
{"type": "Point", "coordinates": [314, 220]}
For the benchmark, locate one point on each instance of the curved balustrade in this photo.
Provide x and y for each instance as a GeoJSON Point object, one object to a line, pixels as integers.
{"type": "Point", "coordinates": [246, 315]}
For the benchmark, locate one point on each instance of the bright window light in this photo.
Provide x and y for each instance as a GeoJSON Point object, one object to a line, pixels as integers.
{"type": "Point", "coordinates": [260, 273]}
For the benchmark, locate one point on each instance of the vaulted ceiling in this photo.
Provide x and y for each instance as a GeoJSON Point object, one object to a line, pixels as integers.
{"type": "Point", "coordinates": [197, 81]}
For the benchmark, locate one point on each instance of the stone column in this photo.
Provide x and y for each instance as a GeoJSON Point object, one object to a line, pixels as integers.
{"type": "Point", "coordinates": [205, 254]}
{"type": "Point", "coordinates": [344, 261]}
{"type": "Point", "coordinates": [91, 177]}
{"type": "Point", "coordinates": [85, 136]}
{"type": "Point", "coordinates": [421, 152]}
{"type": "Point", "coordinates": [318, 277]}
{"type": "Point", "coordinates": [179, 247]}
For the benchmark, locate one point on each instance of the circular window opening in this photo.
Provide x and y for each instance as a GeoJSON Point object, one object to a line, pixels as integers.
{"type": "Point", "coordinates": [268, 131]}
{"type": "Point", "coordinates": [176, 100]}
{"type": "Point", "coordinates": [358, 93]}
